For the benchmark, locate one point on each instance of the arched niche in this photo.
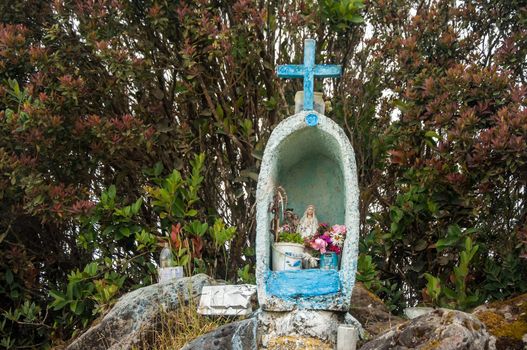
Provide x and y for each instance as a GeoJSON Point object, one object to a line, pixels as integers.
{"type": "Point", "coordinates": [310, 171]}
{"type": "Point", "coordinates": [315, 165]}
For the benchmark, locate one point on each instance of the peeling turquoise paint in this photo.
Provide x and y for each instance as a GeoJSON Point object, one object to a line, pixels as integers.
{"type": "Point", "coordinates": [302, 283]}
{"type": "Point", "coordinates": [308, 71]}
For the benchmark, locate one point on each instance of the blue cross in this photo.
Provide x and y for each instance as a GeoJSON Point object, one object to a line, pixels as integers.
{"type": "Point", "coordinates": [309, 70]}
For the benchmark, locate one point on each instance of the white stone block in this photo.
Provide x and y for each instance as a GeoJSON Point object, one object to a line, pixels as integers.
{"type": "Point", "coordinates": [347, 337]}
{"type": "Point", "coordinates": [318, 104]}
{"type": "Point", "coordinates": [227, 300]}
{"type": "Point", "coordinates": [169, 273]}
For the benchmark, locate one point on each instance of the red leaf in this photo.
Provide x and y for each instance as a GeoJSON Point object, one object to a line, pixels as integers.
{"type": "Point", "coordinates": [174, 235]}
{"type": "Point", "coordinates": [397, 157]}
{"type": "Point", "coordinates": [197, 246]}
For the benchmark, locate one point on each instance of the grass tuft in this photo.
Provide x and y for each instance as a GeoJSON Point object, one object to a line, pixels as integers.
{"type": "Point", "coordinates": [175, 328]}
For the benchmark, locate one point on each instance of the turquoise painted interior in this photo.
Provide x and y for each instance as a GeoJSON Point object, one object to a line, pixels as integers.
{"type": "Point", "coordinates": [309, 171]}
{"type": "Point", "coordinates": [303, 283]}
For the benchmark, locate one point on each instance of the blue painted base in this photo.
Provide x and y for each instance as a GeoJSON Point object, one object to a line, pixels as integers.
{"type": "Point", "coordinates": [302, 283]}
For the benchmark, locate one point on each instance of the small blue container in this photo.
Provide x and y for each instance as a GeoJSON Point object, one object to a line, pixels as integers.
{"type": "Point", "coordinates": [329, 261]}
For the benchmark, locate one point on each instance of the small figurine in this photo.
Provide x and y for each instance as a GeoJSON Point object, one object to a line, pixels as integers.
{"type": "Point", "coordinates": [308, 224]}
{"type": "Point", "coordinates": [276, 207]}
{"type": "Point", "coordinates": [291, 219]}
{"type": "Point", "coordinates": [309, 260]}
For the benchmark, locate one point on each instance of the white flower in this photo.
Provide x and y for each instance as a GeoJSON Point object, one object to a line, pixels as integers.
{"type": "Point", "coordinates": [338, 240]}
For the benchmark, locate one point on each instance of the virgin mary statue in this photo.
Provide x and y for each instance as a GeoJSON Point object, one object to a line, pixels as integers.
{"type": "Point", "coordinates": [308, 223]}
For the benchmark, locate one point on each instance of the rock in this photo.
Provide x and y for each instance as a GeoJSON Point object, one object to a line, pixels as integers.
{"type": "Point", "coordinates": [240, 335]}
{"type": "Point", "coordinates": [136, 311]}
{"type": "Point", "coordinates": [442, 329]}
{"type": "Point", "coordinates": [298, 343]}
{"type": "Point", "coordinates": [507, 321]}
{"type": "Point", "coordinates": [300, 324]}
{"type": "Point", "coordinates": [299, 329]}
{"type": "Point", "coordinates": [414, 312]}
{"type": "Point", "coordinates": [371, 312]}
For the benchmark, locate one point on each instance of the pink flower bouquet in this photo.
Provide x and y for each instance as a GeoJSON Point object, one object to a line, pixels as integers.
{"type": "Point", "coordinates": [329, 238]}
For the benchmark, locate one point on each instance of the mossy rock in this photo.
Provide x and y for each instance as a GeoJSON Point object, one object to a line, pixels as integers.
{"type": "Point", "coordinates": [298, 343]}
{"type": "Point", "coordinates": [440, 329]}
{"type": "Point", "coordinates": [507, 321]}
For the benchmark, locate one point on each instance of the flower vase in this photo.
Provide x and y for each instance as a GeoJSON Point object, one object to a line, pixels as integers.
{"type": "Point", "coordinates": [287, 256]}
{"type": "Point", "coordinates": [329, 261]}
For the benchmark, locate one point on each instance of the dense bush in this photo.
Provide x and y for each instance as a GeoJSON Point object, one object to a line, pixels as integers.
{"type": "Point", "coordinates": [447, 156]}
{"type": "Point", "coordinates": [106, 105]}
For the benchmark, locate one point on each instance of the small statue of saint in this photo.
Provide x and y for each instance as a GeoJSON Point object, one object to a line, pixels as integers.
{"type": "Point", "coordinates": [308, 223]}
{"type": "Point", "coordinates": [291, 219]}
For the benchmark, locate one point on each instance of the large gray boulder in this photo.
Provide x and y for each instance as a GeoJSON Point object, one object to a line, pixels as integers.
{"type": "Point", "coordinates": [136, 311]}
{"type": "Point", "coordinates": [240, 335]}
{"type": "Point", "coordinates": [441, 329]}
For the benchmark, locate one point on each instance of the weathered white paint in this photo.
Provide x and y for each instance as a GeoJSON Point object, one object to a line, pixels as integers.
{"type": "Point", "coordinates": [337, 147]}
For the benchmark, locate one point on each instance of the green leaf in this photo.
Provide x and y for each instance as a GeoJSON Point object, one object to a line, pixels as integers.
{"type": "Point", "coordinates": [451, 240]}
{"type": "Point", "coordinates": [449, 293]}
{"type": "Point", "coordinates": [184, 260]}
{"type": "Point", "coordinates": [112, 192]}
{"type": "Point", "coordinates": [57, 295]}
{"type": "Point", "coordinates": [433, 286]}
{"type": "Point", "coordinates": [178, 208]}
{"type": "Point", "coordinates": [192, 212]}
{"type": "Point", "coordinates": [220, 235]}
{"type": "Point", "coordinates": [454, 230]}
{"type": "Point", "coordinates": [432, 134]}
{"type": "Point", "coordinates": [137, 205]}
{"type": "Point", "coordinates": [158, 169]}
{"type": "Point", "coordinates": [432, 206]}
{"type": "Point", "coordinates": [357, 19]}
{"type": "Point", "coordinates": [258, 154]}
{"type": "Point", "coordinates": [77, 307]}
{"type": "Point", "coordinates": [91, 268]}
{"type": "Point", "coordinates": [396, 214]}
{"type": "Point", "coordinates": [446, 243]}
{"type": "Point", "coordinates": [125, 231]}
{"type": "Point", "coordinates": [197, 228]}
{"type": "Point", "coordinates": [59, 304]}
{"type": "Point", "coordinates": [219, 112]}
{"type": "Point", "coordinates": [472, 300]}
{"type": "Point", "coordinates": [9, 277]}
{"type": "Point", "coordinates": [292, 237]}
{"type": "Point", "coordinates": [73, 305]}
{"type": "Point", "coordinates": [59, 300]}
{"type": "Point", "coordinates": [108, 230]}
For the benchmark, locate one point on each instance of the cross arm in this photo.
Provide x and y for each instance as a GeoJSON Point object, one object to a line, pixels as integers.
{"type": "Point", "coordinates": [328, 70]}
{"type": "Point", "coordinates": [290, 71]}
